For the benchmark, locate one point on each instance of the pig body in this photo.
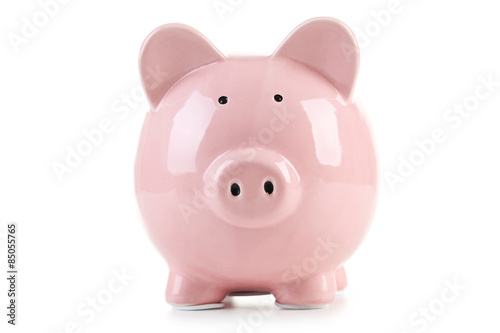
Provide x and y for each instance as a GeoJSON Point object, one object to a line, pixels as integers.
{"type": "Point", "coordinates": [254, 173]}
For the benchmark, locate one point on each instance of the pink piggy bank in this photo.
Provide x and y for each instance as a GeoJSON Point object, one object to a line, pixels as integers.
{"type": "Point", "coordinates": [254, 174]}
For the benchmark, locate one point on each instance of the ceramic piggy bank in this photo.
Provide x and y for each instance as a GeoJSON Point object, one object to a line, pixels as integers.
{"type": "Point", "coordinates": [254, 174]}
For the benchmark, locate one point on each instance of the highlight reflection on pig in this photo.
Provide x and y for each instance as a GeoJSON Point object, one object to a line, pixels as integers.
{"type": "Point", "coordinates": [254, 174]}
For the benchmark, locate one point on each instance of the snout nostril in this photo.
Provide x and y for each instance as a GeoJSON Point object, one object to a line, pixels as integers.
{"type": "Point", "coordinates": [235, 189]}
{"type": "Point", "coordinates": [268, 187]}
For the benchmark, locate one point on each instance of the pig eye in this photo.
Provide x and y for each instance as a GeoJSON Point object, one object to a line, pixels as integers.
{"type": "Point", "coordinates": [278, 98]}
{"type": "Point", "coordinates": [268, 187]}
{"type": "Point", "coordinates": [235, 189]}
{"type": "Point", "coordinates": [223, 99]}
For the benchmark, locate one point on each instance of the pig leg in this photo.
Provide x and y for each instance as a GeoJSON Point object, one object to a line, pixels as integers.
{"type": "Point", "coordinates": [187, 293]}
{"type": "Point", "coordinates": [340, 278]}
{"type": "Point", "coordinates": [312, 292]}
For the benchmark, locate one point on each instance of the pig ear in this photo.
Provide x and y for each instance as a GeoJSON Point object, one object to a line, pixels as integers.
{"type": "Point", "coordinates": [327, 46]}
{"type": "Point", "coordinates": [170, 52]}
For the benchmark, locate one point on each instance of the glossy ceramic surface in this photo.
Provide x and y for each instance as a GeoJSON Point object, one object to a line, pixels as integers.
{"type": "Point", "coordinates": [255, 173]}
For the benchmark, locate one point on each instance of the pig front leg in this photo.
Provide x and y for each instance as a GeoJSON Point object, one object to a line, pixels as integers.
{"type": "Point", "coordinates": [341, 278]}
{"type": "Point", "coordinates": [313, 292]}
{"type": "Point", "coordinates": [187, 293]}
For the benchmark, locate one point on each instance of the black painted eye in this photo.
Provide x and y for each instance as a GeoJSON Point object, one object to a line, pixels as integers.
{"type": "Point", "coordinates": [235, 189]}
{"type": "Point", "coordinates": [223, 99]}
{"type": "Point", "coordinates": [278, 98]}
{"type": "Point", "coordinates": [268, 187]}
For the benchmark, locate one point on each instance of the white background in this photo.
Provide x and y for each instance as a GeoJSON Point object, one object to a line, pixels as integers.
{"type": "Point", "coordinates": [439, 225]}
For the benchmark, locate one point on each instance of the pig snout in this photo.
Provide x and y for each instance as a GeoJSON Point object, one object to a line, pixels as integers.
{"type": "Point", "coordinates": [253, 188]}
